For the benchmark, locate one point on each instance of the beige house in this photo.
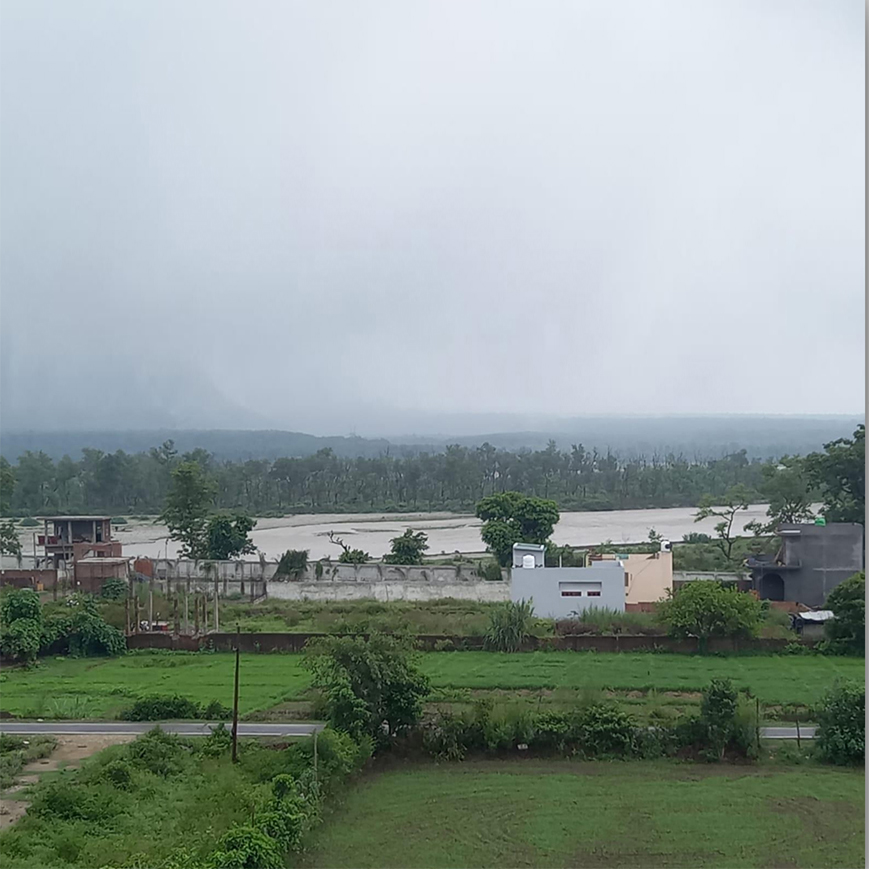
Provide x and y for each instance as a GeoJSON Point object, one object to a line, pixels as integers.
{"type": "Point", "coordinates": [648, 577]}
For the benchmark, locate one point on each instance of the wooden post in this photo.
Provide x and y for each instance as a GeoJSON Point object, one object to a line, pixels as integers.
{"type": "Point", "coordinates": [176, 625]}
{"type": "Point", "coordinates": [204, 603]}
{"type": "Point", "coordinates": [186, 614]}
{"type": "Point", "coordinates": [235, 697]}
{"type": "Point", "coordinates": [799, 744]}
{"type": "Point", "coordinates": [216, 608]}
{"type": "Point", "coordinates": [196, 608]}
{"type": "Point", "coordinates": [127, 613]}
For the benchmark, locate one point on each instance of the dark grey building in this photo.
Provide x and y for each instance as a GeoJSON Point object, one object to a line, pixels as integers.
{"type": "Point", "coordinates": [811, 561]}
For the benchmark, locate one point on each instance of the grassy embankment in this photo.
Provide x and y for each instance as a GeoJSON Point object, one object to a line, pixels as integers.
{"type": "Point", "coordinates": [100, 688]}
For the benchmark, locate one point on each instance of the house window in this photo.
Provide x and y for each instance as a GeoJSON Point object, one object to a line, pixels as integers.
{"type": "Point", "coordinates": [594, 594]}
{"type": "Point", "coordinates": [627, 580]}
{"type": "Point", "coordinates": [574, 593]}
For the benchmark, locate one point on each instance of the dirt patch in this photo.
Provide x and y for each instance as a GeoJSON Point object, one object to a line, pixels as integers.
{"type": "Point", "coordinates": [68, 754]}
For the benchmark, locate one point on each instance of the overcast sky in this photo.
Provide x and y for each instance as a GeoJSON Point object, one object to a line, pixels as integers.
{"type": "Point", "coordinates": [319, 215]}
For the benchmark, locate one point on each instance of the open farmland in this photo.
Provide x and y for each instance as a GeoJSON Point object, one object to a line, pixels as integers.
{"type": "Point", "coordinates": [100, 688]}
{"type": "Point", "coordinates": [561, 813]}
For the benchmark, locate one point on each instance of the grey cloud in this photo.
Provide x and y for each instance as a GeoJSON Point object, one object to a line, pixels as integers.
{"type": "Point", "coordinates": [315, 214]}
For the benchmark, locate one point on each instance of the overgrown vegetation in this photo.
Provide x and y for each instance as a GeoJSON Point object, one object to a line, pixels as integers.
{"type": "Point", "coordinates": [247, 815]}
{"type": "Point", "coordinates": [846, 633]}
{"type": "Point", "coordinates": [725, 726]}
{"type": "Point", "coordinates": [16, 751]}
{"type": "Point", "coordinates": [841, 719]}
{"type": "Point", "coordinates": [157, 707]}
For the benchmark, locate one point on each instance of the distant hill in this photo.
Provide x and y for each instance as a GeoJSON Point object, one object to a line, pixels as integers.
{"type": "Point", "coordinates": [701, 437]}
{"type": "Point", "coordinates": [225, 444]}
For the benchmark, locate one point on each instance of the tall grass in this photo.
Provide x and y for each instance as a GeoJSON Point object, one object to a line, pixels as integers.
{"type": "Point", "coordinates": [509, 626]}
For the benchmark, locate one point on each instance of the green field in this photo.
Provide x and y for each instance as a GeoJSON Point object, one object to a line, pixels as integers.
{"type": "Point", "coordinates": [532, 813]}
{"type": "Point", "coordinates": [96, 688]}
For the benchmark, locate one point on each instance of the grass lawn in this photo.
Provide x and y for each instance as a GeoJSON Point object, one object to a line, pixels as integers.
{"type": "Point", "coordinates": [560, 813]}
{"type": "Point", "coordinates": [97, 688]}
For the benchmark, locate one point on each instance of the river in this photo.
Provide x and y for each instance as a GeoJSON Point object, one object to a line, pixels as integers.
{"type": "Point", "coordinates": [447, 532]}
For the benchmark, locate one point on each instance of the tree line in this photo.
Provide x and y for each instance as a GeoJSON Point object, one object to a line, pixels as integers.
{"type": "Point", "coordinates": [455, 479]}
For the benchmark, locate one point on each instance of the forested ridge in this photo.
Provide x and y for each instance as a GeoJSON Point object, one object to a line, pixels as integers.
{"type": "Point", "coordinates": [454, 479]}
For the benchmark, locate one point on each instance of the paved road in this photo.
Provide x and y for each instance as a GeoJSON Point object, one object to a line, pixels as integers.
{"type": "Point", "coordinates": [247, 728]}
{"type": "Point", "coordinates": [182, 728]}
{"type": "Point", "coordinates": [807, 731]}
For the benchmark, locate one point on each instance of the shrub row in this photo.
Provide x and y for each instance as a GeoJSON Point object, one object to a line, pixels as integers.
{"type": "Point", "coordinates": [156, 707]}
{"type": "Point", "coordinates": [726, 726]}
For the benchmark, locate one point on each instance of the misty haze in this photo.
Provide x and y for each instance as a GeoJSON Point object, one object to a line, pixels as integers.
{"type": "Point", "coordinates": [410, 408]}
{"type": "Point", "coordinates": [397, 218]}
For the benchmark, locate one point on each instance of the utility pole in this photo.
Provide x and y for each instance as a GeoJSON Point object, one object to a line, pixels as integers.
{"type": "Point", "coordinates": [316, 779]}
{"type": "Point", "coordinates": [235, 697]}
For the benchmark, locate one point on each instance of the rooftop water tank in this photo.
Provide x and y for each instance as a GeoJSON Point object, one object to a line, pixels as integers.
{"type": "Point", "coordinates": [527, 562]}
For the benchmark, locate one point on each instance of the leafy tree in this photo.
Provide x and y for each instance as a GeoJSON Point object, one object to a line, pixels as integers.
{"type": "Point", "coordinates": [293, 563]}
{"type": "Point", "coordinates": [511, 517]}
{"type": "Point", "coordinates": [704, 609]}
{"type": "Point", "coordinates": [7, 484]}
{"type": "Point", "coordinates": [847, 631]}
{"type": "Point", "coordinates": [718, 714]}
{"type": "Point", "coordinates": [369, 687]}
{"type": "Point", "coordinates": [227, 536]}
{"type": "Point", "coordinates": [188, 504]}
{"type": "Point", "coordinates": [841, 721]}
{"type": "Point", "coordinates": [21, 603]}
{"type": "Point", "coordinates": [21, 624]}
{"type": "Point", "coordinates": [726, 508]}
{"type": "Point", "coordinates": [787, 487]}
{"type": "Point", "coordinates": [10, 544]}
{"type": "Point", "coordinates": [840, 473]}
{"type": "Point", "coordinates": [408, 548]}
{"type": "Point", "coordinates": [90, 635]}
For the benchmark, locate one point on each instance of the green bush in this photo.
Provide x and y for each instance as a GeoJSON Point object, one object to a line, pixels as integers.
{"type": "Point", "coordinates": [160, 708]}
{"type": "Point", "coordinates": [22, 639]}
{"type": "Point", "coordinates": [604, 730]}
{"type": "Point", "coordinates": [841, 736]}
{"type": "Point", "coordinates": [114, 588]}
{"type": "Point", "coordinates": [215, 711]}
{"type": "Point", "coordinates": [293, 563]}
{"type": "Point", "coordinates": [90, 635]}
{"type": "Point", "coordinates": [705, 609]}
{"type": "Point", "coordinates": [158, 752]}
{"type": "Point", "coordinates": [509, 625]}
{"type": "Point", "coordinates": [246, 847]}
{"type": "Point", "coordinates": [66, 800]}
{"type": "Point", "coordinates": [118, 773]}
{"type": "Point", "coordinates": [846, 633]}
{"type": "Point", "coordinates": [490, 570]}
{"type": "Point", "coordinates": [218, 742]}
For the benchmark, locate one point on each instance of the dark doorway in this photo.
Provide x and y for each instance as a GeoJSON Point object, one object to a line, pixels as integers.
{"type": "Point", "coordinates": [772, 587]}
